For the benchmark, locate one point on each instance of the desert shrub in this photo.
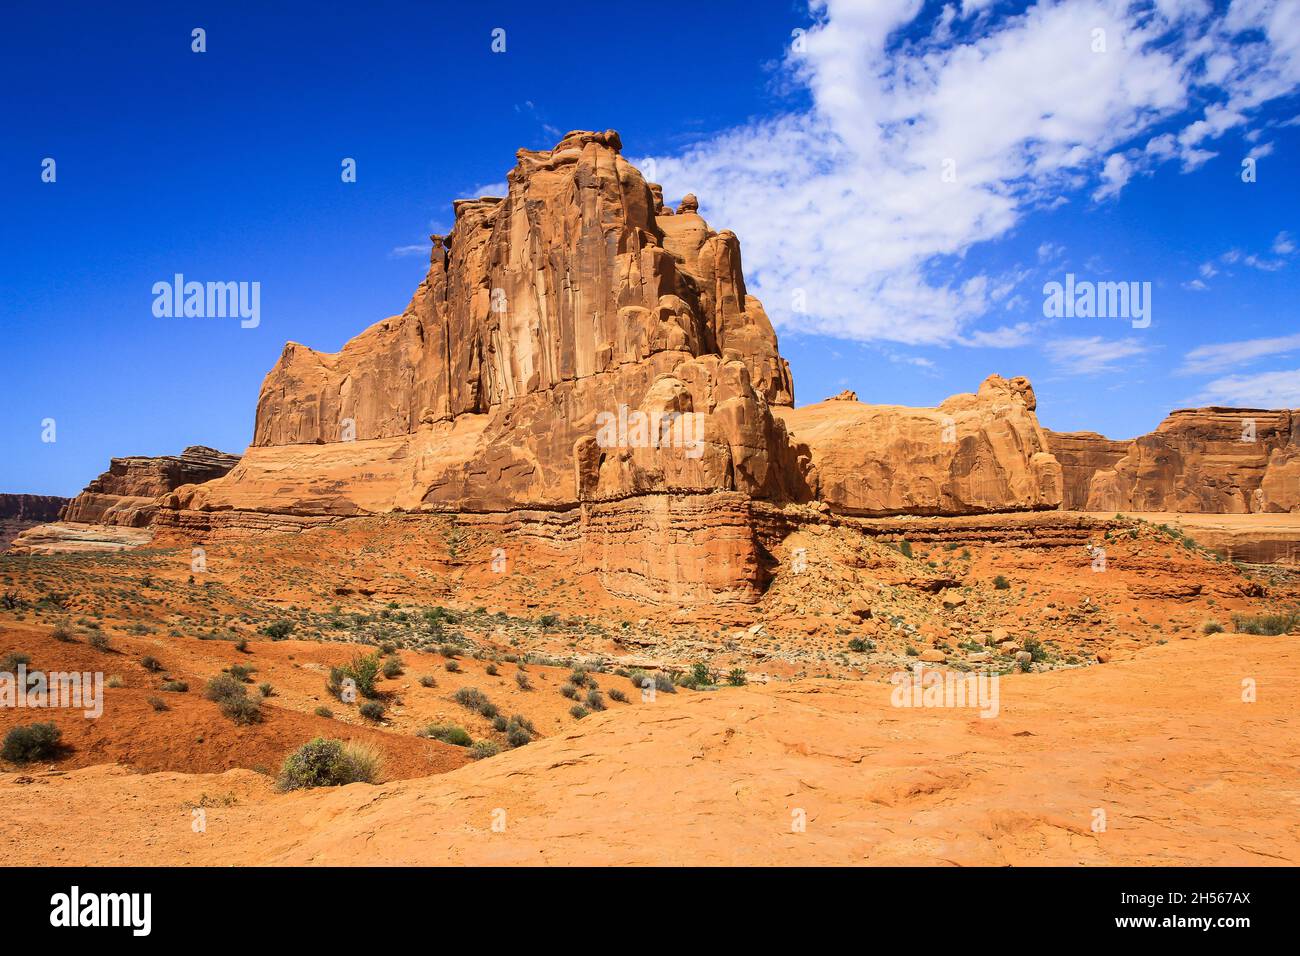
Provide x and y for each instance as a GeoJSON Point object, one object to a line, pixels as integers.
{"type": "Point", "coordinates": [223, 687]}
{"type": "Point", "coordinates": [241, 672]}
{"type": "Point", "coordinates": [1211, 627]}
{"type": "Point", "coordinates": [151, 664]}
{"type": "Point", "coordinates": [737, 678]}
{"type": "Point", "coordinates": [1000, 583]}
{"type": "Point", "coordinates": [364, 670]}
{"type": "Point", "coordinates": [10, 662]}
{"type": "Point", "coordinates": [484, 748]}
{"type": "Point", "coordinates": [699, 676]}
{"type": "Point", "coordinates": [1267, 624]}
{"type": "Point", "coordinates": [471, 697]}
{"type": "Point", "coordinates": [329, 763]}
{"type": "Point", "coordinates": [492, 670]}
{"type": "Point", "coordinates": [905, 548]}
{"type": "Point", "coordinates": [861, 645]}
{"type": "Point", "coordinates": [548, 621]}
{"type": "Point", "coordinates": [323, 711]}
{"type": "Point", "coordinates": [489, 710]}
{"type": "Point", "coordinates": [500, 724]}
{"type": "Point", "coordinates": [569, 691]}
{"type": "Point", "coordinates": [392, 668]}
{"type": "Point", "coordinates": [1035, 648]}
{"type": "Point", "coordinates": [452, 667]}
{"type": "Point", "coordinates": [578, 677]}
{"type": "Point", "coordinates": [595, 700]}
{"type": "Point", "coordinates": [100, 642]}
{"type": "Point", "coordinates": [115, 680]}
{"type": "Point", "coordinates": [428, 681]}
{"type": "Point", "coordinates": [618, 695]}
{"type": "Point", "coordinates": [278, 630]}
{"type": "Point", "coordinates": [372, 710]}
{"type": "Point", "coordinates": [522, 680]}
{"type": "Point", "coordinates": [10, 601]}
{"type": "Point", "coordinates": [157, 703]}
{"type": "Point", "coordinates": [63, 633]}
{"type": "Point", "coordinates": [577, 710]}
{"type": "Point", "coordinates": [242, 710]}
{"type": "Point", "coordinates": [662, 682]}
{"type": "Point", "coordinates": [517, 736]}
{"type": "Point", "coordinates": [448, 734]}
{"type": "Point", "coordinates": [241, 645]}
{"type": "Point", "coordinates": [175, 686]}
{"type": "Point", "coordinates": [31, 742]}
{"type": "Point", "coordinates": [449, 650]}
{"type": "Point", "coordinates": [266, 689]}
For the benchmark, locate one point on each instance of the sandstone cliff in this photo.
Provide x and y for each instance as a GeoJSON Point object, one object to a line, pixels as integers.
{"type": "Point", "coordinates": [973, 453]}
{"type": "Point", "coordinates": [1210, 460]}
{"type": "Point", "coordinates": [1081, 455]}
{"type": "Point", "coordinates": [126, 494]}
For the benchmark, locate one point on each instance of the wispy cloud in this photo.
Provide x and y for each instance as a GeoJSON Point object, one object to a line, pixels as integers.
{"type": "Point", "coordinates": [924, 140]}
{"type": "Point", "coordinates": [402, 252]}
{"type": "Point", "coordinates": [1266, 390]}
{"type": "Point", "coordinates": [1207, 359]}
{"type": "Point", "coordinates": [1093, 354]}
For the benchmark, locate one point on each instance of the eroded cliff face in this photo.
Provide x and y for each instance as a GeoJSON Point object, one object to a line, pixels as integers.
{"type": "Point", "coordinates": [1208, 460]}
{"type": "Point", "coordinates": [18, 512]}
{"type": "Point", "coordinates": [1081, 455]}
{"type": "Point", "coordinates": [973, 453]}
{"type": "Point", "coordinates": [579, 349]}
{"type": "Point", "coordinates": [127, 493]}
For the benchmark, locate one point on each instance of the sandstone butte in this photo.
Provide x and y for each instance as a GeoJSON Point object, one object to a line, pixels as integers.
{"type": "Point", "coordinates": [580, 297]}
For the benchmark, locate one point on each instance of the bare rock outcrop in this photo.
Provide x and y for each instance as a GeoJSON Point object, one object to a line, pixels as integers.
{"type": "Point", "coordinates": [1209, 460]}
{"type": "Point", "coordinates": [126, 494]}
{"type": "Point", "coordinates": [1081, 455]}
{"type": "Point", "coordinates": [971, 454]}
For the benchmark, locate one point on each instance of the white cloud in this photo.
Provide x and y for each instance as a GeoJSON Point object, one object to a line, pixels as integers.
{"type": "Point", "coordinates": [420, 249]}
{"type": "Point", "coordinates": [849, 203]}
{"type": "Point", "coordinates": [1225, 355]}
{"type": "Point", "coordinates": [1091, 355]}
{"type": "Point", "coordinates": [1283, 245]}
{"type": "Point", "coordinates": [1265, 390]}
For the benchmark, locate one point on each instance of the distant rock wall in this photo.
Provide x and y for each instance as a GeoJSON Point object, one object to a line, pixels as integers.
{"type": "Point", "coordinates": [18, 512]}
{"type": "Point", "coordinates": [126, 494]}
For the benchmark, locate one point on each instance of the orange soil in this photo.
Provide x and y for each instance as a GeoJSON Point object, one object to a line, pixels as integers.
{"type": "Point", "coordinates": [1184, 770]}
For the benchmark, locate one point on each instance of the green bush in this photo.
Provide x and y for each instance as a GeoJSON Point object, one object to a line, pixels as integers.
{"type": "Point", "coordinates": [100, 642]}
{"type": "Point", "coordinates": [1211, 627]}
{"type": "Point", "coordinates": [323, 711]}
{"type": "Point", "coordinates": [452, 667]}
{"type": "Point", "coordinates": [577, 710]}
{"type": "Point", "coordinates": [428, 681]}
{"type": "Point", "coordinates": [484, 748]}
{"type": "Point", "coordinates": [151, 663]}
{"type": "Point", "coordinates": [328, 763]}
{"type": "Point", "coordinates": [618, 695]}
{"type": "Point", "coordinates": [1266, 624]}
{"type": "Point", "coordinates": [448, 734]}
{"type": "Point", "coordinates": [471, 697]}
{"type": "Point", "coordinates": [157, 703]}
{"type": "Point", "coordinates": [1000, 583]}
{"type": "Point", "coordinates": [175, 686]}
{"type": "Point", "coordinates": [594, 700]}
{"type": "Point", "coordinates": [392, 668]}
{"type": "Point", "coordinates": [278, 630]}
{"type": "Point", "coordinates": [737, 678]}
{"type": "Point", "coordinates": [372, 710]}
{"type": "Point", "coordinates": [32, 742]}
{"type": "Point", "coordinates": [522, 680]}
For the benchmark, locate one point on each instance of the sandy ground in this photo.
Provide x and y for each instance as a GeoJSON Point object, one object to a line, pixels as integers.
{"type": "Point", "coordinates": [1162, 745]}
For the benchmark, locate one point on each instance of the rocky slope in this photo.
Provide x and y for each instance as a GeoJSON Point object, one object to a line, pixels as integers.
{"type": "Point", "coordinates": [126, 493]}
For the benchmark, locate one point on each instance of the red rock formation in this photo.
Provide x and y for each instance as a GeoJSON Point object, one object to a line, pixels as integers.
{"type": "Point", "coordinates": [579, 349]}
{"type": "Point", "coordinates": [1213, 460]}
{"type": "Point", "coordinates": [126, 493]}
{"type": "Point", "coordinates": [1081, 455]}
{"type": "Point", "coordinates": [974, 453]}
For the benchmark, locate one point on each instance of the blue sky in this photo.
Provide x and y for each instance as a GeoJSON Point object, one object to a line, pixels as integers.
{"type": "Point", "coordinates": [913, 173]}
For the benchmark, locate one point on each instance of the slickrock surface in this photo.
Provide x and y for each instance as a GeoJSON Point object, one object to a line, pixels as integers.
{"type": "Point", "coordinates": [1163, 746]}
{"type": "Point", "coordinates": [19, 512]}
{"type": "Point", "coordinates": [64, 536]}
